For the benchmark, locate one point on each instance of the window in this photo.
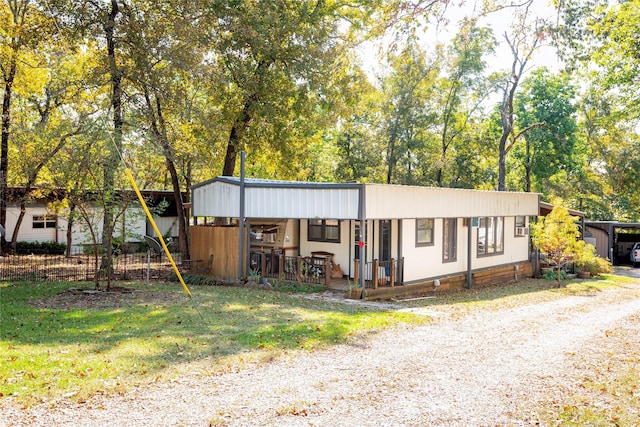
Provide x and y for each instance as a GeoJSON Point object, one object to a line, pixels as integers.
{"type": "Point", "coordinates": [424, 232]}
{"type": "Point", "coordinates": [490, 236]}
{"type": "Point", "coordinates": [323, 230]}
{"type": "Point", "coordinates": [385, 240]}
{"type": "Point", "coordinates": [449, 234]}
{"type": "Point", "coordinates": [521, 228]}
{"type": "Point", "coordinates": [44, 221]}
{"type": "Point", "coordinates": [356, 240]}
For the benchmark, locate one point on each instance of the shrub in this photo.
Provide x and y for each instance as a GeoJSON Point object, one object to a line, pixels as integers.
{"type": "Point", "coordinates": [553, 275]}
{"type": "Point", "coordinates": [586, 259]}
{"type": "Point", "coordinates": [40, 248]}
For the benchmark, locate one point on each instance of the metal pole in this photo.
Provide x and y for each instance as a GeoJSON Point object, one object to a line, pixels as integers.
{"type": "Point", "coordinates": [469, 252]}
{"type": "Point", "coordinates": [363, 237]}
{"type": "Point", "coordinates": [148, 265]}
{"type": "Point", "coordinates": [241, 219]}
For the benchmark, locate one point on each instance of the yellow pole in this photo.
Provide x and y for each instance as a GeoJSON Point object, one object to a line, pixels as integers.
{"type": "Point", "coordinates": [155, 228]}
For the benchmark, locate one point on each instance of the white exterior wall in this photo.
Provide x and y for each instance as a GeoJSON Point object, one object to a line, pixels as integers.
{"type": "Point", "coordinates": [425, 262]}
{"type": "Point", "coordinates": [396, 201]}
{"type": "Point", "coordinates": [222, 199]}
{"type": "Point", "coordinates": [134, 230]}
{"type": "Point", "coordinates": [301, 203]}
{"type": "Point", "coordinates": [216, 199]}
{"type": "Point", "coordinates": [340, 250]}
{"type": "Point", "coordinates": [167, 226]}
{"type": "Point", "coordinates": [27, 233]}
{"type": "Point", "coordinates": [421, 262]}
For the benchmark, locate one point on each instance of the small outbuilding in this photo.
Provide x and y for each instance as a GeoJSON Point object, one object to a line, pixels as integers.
{"type": "Point", "coordinates": [613, 239]}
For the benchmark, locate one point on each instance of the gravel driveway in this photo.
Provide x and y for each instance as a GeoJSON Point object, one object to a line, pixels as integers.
{"type": "Point", "coordinates": [485, 368]}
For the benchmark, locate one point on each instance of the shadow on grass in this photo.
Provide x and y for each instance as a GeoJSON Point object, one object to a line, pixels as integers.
{"type": "Point", "coordinates": [48, 351]}
{"type": "Point", "coordinates": [522, 291]}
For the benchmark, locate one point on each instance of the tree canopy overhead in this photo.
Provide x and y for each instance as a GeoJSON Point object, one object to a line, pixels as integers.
{"type": "Point", "coordinates": [180, 88]}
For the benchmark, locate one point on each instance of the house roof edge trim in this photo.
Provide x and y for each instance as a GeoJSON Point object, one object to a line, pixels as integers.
{"type": "Point", "coordinates": [305, 200]}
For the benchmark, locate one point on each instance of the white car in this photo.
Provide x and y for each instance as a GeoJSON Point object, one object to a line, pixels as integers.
{"type": "Point", "coordinates": [635, 254]}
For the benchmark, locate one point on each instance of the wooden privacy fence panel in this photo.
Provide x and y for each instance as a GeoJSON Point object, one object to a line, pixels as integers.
{"type": "Point", "coordinates": [222, 243]}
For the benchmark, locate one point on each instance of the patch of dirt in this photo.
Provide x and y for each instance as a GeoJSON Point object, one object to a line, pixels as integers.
{"type": "Point", "coordinates": [510, 366]}
{"type": "Point", "coordinates": [81, 298]}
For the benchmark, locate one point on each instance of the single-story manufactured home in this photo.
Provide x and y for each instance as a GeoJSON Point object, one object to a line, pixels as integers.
{"type": "Point", "coordinates": [406, 234]}
{"type": "Point", "coordinates": [47, 219]}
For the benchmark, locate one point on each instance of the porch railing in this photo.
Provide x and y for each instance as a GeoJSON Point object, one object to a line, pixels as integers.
{"type": "Point", "coordinates": [291, 268]}
{"type": "Point", "coordinates": [381, 273]}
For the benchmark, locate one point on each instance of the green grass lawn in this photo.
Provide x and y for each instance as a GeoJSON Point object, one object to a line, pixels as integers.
{"type": "Point", "coordinates": [53, 347]}
{"type": "Point", "coordinates": [78, 349]}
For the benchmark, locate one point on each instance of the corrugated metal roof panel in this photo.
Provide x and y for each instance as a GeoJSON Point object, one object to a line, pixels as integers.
{"type": "Point", "coordinates": [283, 199]}
{"type": "Point", "coordinates": [396, 201]}
{"type": "Point", "coordinates": [275, 199]}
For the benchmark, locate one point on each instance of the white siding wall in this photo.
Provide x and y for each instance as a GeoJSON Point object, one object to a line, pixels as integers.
{"type": "Point", "coordinates": [425, 262]}
{"type": "Point", "coordinates": [27, 233]}
{"type": "Point", "coordinates": [166, 225]}
{"type": "Point", "coordinates": [216, 199]}
{"type": "Point", "coordinates": [340, 250]}
{"type": "Point", "coordinates": [301, 203]}
{"type": "Point", "coordinates": [395, 201]}
{"type": "Point", "coordinates": [135, 225]}
{"type": "Point", "coordinates": [223, 200]}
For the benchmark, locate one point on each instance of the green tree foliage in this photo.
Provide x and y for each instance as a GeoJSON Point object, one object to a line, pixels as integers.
{"type": "Point", "coordinates": [600, 39]}
{"type": "Point", "coordinates": [23, 27]}
{"type": "Point", "coordinates": [555, 236]}
{"type": "Point", "coordinates": [609, 32]}
{"type": "Point", "coordinates": [551, 153]}
{"type": "Point", "coordinates": [405, 114]}
{"type": "Point", "coordinates": [277, 59]}
{"type": "Point", "coordinates": [459, 94]}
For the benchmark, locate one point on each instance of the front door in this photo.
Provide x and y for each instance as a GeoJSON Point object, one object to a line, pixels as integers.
{"type": "Point", "coordinates": [384, 253]}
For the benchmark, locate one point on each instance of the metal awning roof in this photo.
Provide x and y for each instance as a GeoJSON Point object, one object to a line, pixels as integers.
{"type": "Point", "coordinates": [220, 197]}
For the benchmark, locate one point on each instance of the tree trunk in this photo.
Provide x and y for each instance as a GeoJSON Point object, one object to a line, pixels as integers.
{"type": "Point", "coordinates": [70, 222]}
{"type": "Point", "coordinates": [159, 129]}
{"type": "Point", "coordinates": [183, 232]}
{"type": "Point", "coordinates": [242, 122]}
{"type": "Point", "coordinates": [235, 137]}
{"type": "Point", "coordinates": [4, 144]}
{"type": "Point", "coordinates": [502, 163]}
{"type": "Point", "coordinates": [391, 151]}
{"type": "Point", "coordinates": [113, 159]}
{"type": "Point", "coordinates": [527, 166]}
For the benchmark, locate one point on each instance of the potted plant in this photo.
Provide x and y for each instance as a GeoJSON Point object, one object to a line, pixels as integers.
{"type": "Point", "coordinates": [354, 291]}
{"type": "Point", "coordinates": [587, 263]}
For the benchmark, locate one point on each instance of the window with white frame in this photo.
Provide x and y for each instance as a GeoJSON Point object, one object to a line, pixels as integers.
{"type": "Point", "coordinates": [43, 221]}
{"type": "Point", "coordinates": [490, 235]}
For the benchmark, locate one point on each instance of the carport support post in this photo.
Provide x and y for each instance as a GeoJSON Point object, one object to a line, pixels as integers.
{"type": "Point", "coordinates": [241, 219]}
{"type": "Point", "coordinates": [361, 246]}
{"type": "Point", "coordinates": [469, 252]}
